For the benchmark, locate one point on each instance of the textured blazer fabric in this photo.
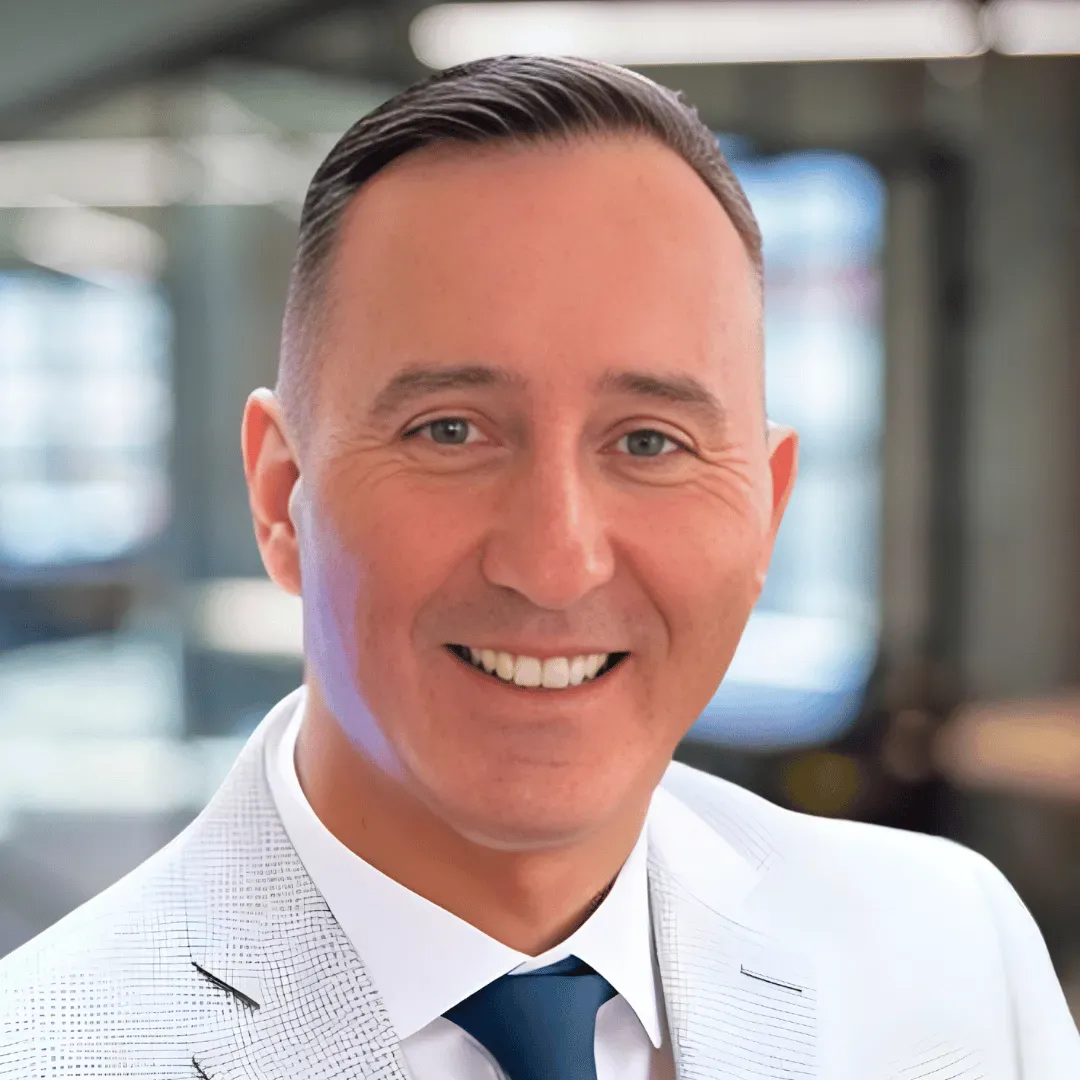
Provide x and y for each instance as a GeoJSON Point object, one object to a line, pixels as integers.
{"type": "Point", "coordinates": [789, 947]}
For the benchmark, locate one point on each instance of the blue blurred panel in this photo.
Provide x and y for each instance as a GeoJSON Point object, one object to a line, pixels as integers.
{"type": "Point", "coordinates": [794, 681]}
{"type": "Point", "coordinates": [802, 666]}
{"type": "Point", "coordinates": [85, 415]}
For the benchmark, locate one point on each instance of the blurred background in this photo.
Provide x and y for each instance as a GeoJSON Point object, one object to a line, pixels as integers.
{"type": "Point", "coordinates": [915, 659]}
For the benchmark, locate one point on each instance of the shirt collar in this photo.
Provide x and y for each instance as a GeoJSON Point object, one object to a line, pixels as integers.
{"type": "Point", "coordinates": [423, 959]}
{"type": "Point", "coordinates": [616, 941]}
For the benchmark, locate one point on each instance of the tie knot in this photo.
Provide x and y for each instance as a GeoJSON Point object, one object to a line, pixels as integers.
{"type": "Point", "coordinates": [539, 1025]}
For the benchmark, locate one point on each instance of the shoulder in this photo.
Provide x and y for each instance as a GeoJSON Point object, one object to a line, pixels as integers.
{"type": "Point", "coordinates": [103, 984]}
{"type": "Point", "coordinates": [135, 916]}
{"type": "Point", "coordinates": [901, 914]}
{"type": "Point", "coordinates": [889, 914]}
{"type": "Point", "coordinates": [151, 910]}
{"type": "Point", "coordinates": [842, 861]}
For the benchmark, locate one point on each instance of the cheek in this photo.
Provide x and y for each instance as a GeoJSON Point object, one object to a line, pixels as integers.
{"type": "Point", "coordinates": [701, 573]}
{"type": "Point", "coordinates": [400, 547]}
{"type": "Point", "coordinates": [368, 566]}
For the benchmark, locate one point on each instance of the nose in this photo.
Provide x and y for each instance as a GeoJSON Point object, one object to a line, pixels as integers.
{"type": "Point", "coordinates": [549, 541]}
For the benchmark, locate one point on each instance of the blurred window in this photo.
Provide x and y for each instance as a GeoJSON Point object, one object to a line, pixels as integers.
{"type": "Point", "coordinates": [85, 416]}
{"type": "Point", "coordinates": [801, 668]}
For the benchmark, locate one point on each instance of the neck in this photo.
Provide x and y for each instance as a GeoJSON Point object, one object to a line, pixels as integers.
{"type": "Point", "coordinates": [528, 900]}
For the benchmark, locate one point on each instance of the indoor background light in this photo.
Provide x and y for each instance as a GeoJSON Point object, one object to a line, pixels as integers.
{"type": "Point", "coordinates": [739, 31]}
{"type": "Point", "coordinates": [1033, 27]}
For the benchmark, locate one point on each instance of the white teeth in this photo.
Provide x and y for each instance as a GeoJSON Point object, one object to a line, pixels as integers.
{"type": "Point", "coordinates": [577, 670]}
{"type": "Point", "coordinates": [555, 673]}
{"type": "Point", "coordinates": [504, 666]}
{"type": "Point", "coordinates": [527, 671]}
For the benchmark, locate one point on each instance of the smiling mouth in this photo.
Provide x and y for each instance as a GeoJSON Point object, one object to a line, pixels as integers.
{"type": "Point", "coordinates": [529, 672]}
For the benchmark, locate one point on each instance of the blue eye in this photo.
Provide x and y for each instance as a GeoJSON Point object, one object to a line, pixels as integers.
{"type": "Point", "coordinates": [452, 430]}
{"type": "Point", "coordinates": [446, 431]}
{"type": "Point", "coordinates": [649, 443]}
{"type": "Point", "coordinates": [456, 430]}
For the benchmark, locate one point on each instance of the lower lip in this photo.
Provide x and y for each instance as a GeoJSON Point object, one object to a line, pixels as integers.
{"type": "Point", "coordinates": [495, 683]}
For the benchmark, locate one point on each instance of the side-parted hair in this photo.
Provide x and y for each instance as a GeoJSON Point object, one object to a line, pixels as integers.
{"type": "Point", "coordinates": [503, 99]}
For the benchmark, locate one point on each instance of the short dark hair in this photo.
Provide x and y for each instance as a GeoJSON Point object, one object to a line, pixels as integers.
{"type": "Point", "coordinates": [513, 99]}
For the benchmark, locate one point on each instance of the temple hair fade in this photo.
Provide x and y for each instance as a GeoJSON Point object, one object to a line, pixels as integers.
{"type": "Point", "coordinates": [498, 99]}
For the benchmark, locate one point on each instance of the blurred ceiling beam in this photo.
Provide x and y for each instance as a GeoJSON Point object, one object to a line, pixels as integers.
{"type": "Point", "coordinates": [367, 42]}
{"type": "Point", "coordinates": [106, 48]}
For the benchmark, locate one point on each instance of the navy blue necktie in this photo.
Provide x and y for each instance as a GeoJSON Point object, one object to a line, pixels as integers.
{"type": "Point", "coordinates": [539, 1025]}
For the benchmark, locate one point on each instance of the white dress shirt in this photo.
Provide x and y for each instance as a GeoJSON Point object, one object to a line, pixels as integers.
{"type": "Point", "coordinates": [424, 960]}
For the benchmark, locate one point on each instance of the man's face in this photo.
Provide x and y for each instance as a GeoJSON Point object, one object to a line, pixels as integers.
{"type": "Point", "coordinates": [538, 431]}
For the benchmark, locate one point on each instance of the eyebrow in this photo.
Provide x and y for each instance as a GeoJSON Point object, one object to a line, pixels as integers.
{"type": "Point", "coordinates": [676, 389]}
{"type": "Point", "coordinates": [419, 381]}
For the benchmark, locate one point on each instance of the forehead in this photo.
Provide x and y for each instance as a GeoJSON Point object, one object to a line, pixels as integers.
{"type": "Point", "coordinates": [592, 253]}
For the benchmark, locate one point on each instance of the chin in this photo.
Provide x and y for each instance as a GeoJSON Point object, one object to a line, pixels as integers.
{"type": "Point", "coordinates": [506, 835]}
{"type": "Point", "coordinates": [525, 813]}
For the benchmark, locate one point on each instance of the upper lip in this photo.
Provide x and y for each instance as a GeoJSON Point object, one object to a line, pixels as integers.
{"type": "Point", "coordinates": [544, 652]}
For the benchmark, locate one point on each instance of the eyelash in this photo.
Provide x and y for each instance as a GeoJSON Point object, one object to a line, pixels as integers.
{"type": "Point", "coordinates": [682, 447]}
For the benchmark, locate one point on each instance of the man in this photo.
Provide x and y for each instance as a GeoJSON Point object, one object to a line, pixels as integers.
{"type": "Point", "coordinates": [518, 468]}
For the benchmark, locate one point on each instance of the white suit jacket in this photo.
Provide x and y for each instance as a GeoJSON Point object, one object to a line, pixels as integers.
{"type": "Point", "coordinates": [789, 947]}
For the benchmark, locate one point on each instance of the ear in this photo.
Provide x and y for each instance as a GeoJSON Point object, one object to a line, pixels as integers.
{"type": "Point", "coordinates": [783, 450]}
{"type": "Point", "coordinates": [273, 481]}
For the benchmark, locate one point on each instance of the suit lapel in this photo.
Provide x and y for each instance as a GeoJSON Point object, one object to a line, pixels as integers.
{"type": "Point", "coordinates": [740, 1000]}
{"type": "Point", "coordinates": [289, 996]}
{"type": "Point", "coordinates": [283, 994]}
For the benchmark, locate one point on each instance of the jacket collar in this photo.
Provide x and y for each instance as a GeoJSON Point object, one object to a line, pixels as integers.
{"type": "Point", "coordinates": [289, 996]}
{"type": "Point", "coordinates": [740, 996]}
{"type": "Point", "coordinates": [259, 930]}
